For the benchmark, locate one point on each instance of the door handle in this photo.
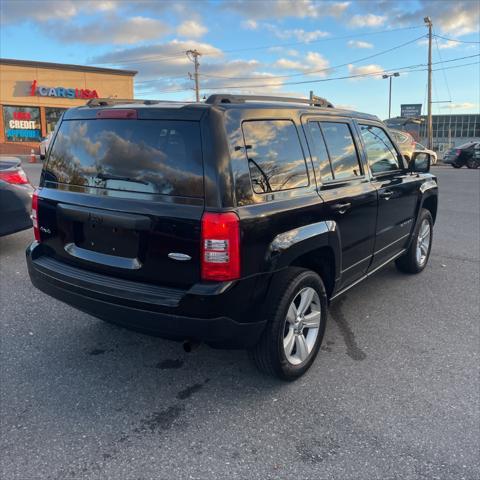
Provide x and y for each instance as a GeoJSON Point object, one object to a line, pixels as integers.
{"type": "Point", "coordinates": [386, 194]}
{"type": "Point", "coordinates": [341, 207]}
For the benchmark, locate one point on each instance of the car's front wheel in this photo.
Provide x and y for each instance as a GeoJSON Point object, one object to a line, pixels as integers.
{"type": "Point", "coordinates": [297, 316]}
{"type": "Point", "coordinates": [416, 257]}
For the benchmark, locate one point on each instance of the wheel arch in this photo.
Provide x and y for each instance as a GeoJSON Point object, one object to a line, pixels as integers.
{"type": "Point", "coordinates": [431, 204]}
{"type": "Point", "coordinates": [316, 247]}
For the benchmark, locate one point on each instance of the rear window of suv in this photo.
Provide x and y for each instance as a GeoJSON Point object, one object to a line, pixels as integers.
{"type": "Point", "coordinates": [149, 156]}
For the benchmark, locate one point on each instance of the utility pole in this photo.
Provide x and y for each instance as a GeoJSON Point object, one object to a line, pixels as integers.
{"type": "Point", "coordinates": [390, 75]}
{"type": "Point", "coordinates": [193, 56]}
{"type": "Point", "coordinates": [428, 22]}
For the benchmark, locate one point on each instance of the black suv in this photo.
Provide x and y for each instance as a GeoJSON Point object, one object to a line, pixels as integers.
{"type": "Point", "coordinates": [234, 222]}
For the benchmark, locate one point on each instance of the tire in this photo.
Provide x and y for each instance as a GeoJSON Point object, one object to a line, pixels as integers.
{"type": "Point", "coordinates": [283, 330]}
{"type": "Point", "coordinates": [416, 257]}
{"type": "Point", "coordinates": [472, 163]}
{"type": "Point", "coordinates": [456, 165]}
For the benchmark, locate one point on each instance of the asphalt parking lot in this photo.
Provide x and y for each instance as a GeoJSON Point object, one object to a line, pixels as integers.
{"type": "Point", "coordinates": [394, 393]}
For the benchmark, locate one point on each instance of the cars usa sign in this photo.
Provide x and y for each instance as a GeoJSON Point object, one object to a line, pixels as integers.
{"type": "Point", "coordinates": [44, 91]}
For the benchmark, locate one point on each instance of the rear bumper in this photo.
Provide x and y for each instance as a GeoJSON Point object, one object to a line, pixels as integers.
{"type": "Point", "coordinates": [224, 315]}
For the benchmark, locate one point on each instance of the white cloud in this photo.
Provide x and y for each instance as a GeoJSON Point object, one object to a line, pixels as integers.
{"type": "Point", "coordinates": [19, 11]}
{"type": "Point", "coordinates": [442, 44]}
{"type": "Point", "coordinates": [164, 68]}
{"type": "Point", "coordinates": [262, 9]}
{"type": "Point", "coordinates": [302, 35]}
{"type": "Point", "coordinates": [369, 70]}
{"type": "Point", "coordinates": [359, 44]}
{"type": "Point", "coordinates": [453, 17]}
{"type": "Point", "coordinates": [313, 61]}
{"type": "Point", "coordinates": [368, 20]}
{"type": "Point", "coordinates": [287, 64]}
{"type": "Point", "coordinates": [447, 44]}
{"type": "Point", "coordinates": [460, 106]}
{"type": "Point", "coordinates": [191, 29]}
{"type": "Point", "coordinates": [110, 29]}
{"type": "Point", "coordinates": [249, 24]}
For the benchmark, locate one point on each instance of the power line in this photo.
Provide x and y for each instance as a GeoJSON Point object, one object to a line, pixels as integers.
{"type": "Point", "coordinates": [346, 77]}
{"type": "Point", "coordinates": [307, 72]}
{"type": "Point", "coordinates": [320, 80]}
{"type": "Point", "coordinates": [452, 39]}
{"type": "Point", "coordinates": [329, 39]}
{"type": "Point", "coordinates": [444, 74]}
{"type": "Point", "coordinates": [307, 81]}
{"type": "Point", "coordinates": [181, 53]}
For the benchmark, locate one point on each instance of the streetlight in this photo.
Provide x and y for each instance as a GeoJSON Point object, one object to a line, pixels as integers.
{"type": "Point", "coordinates": [390, 75]}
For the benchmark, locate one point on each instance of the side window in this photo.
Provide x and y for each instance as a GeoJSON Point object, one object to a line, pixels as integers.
{"type": "Point", "coordinates": [275, 156]}
{"type": "Point", "coordinates": [381, 154]}
{"type": "Point", "coordinates": [319, 152]}
{"type": "Point", "coordinates": [341, 149]}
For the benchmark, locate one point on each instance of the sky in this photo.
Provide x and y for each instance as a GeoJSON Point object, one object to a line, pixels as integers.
{"type": "Point", "coordinates": [275, 47]}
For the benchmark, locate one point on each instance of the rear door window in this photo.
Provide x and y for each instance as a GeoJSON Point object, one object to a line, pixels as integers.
{"type": "Point", "coordinates": [150, 156]}
{"type": "Point", "coordinates": [319, 151]}
{"type": "Point", "coordinates": [275, 156]}
{"type": "Point", "coordinates": [341, 149]}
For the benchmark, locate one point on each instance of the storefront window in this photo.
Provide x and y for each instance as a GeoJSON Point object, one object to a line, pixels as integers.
{"type": "Point", "coordinates": [22, 124]}
{"type": "Point", "coordinates": [52, 116]}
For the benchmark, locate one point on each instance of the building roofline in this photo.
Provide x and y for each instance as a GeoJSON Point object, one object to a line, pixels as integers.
{"type": "Point", "coordinates": [66, 66]}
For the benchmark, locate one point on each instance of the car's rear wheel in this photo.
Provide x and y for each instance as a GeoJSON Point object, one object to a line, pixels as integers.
{"type": "Point", "coordinates": [297, 316]}
{"type": "Point", "coordinates": [472, 163]}
{"type": "Point", "coordinates": [456, 165]}
{"type": "Point", "coordinates": [417, 255]}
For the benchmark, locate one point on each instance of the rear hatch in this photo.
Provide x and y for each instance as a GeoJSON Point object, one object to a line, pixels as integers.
{"type": "Point", "coordinates": [122, 194]}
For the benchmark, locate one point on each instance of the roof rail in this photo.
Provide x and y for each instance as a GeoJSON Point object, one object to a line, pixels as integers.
{"type": "Point", "coordinates": [227, 98]}
{"type": "Point", "coordinates": [105, 102]}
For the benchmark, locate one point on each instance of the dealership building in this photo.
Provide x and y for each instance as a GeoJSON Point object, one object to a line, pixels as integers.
{"type": "Point", "coordinates": [33, 96]}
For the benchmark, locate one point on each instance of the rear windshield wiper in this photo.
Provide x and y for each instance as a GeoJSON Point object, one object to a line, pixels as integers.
{"type": "Point", "coordinates": [107, 176]}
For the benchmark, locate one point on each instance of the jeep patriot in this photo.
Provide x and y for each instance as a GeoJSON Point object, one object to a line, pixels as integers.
{"type": "Point", "coordinates": [234, 222]}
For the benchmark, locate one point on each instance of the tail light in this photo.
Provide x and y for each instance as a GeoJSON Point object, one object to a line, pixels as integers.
{"type": "Point", "coordinates": [36, 231]}
{"type": "Point", "coordinates": [220, 249]}
{"type": "Point", "coordinates": [15, 177]}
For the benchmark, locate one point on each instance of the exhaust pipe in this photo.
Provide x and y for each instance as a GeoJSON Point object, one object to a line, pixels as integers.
{"type": "Point", "coordinates": [190, 345]}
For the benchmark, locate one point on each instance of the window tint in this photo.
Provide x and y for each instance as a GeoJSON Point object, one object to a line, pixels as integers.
{"type": "Point", "coordinates": [275, 157]}
{"type": "Point", "coordinates": [381, 154]}
{"type": "Point", "coordinates": [150, 156]}
{"type": "Point", "coordinates": [319, 152]}
{"type": "Point", "coordinates": [342, 151]}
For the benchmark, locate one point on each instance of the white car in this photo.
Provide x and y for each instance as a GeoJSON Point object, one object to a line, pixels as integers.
{"type": "Point", "coordinates": [44, 145]}
{"type": "Point", "coordinates": [433, 155]}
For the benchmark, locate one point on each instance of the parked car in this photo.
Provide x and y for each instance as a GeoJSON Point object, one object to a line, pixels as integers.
{"type": "Point", "coordinates": [15, 197]}
{"type": "Point", "coordinates": [44, 145]}
{"type": "Point", "coordinates": [421, 148]}
{"type": "Point", "coordinates": [467, 154]}
{"type": "Point", "coordinates": [405, 141]}
{"type": "Point", "coordinates": [235, 221]}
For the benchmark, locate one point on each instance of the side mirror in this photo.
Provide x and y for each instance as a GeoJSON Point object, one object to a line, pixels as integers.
{"type": "Point", "coordinates": [42, 156]}
{"type": "Point", "coordinates": [420, 162]}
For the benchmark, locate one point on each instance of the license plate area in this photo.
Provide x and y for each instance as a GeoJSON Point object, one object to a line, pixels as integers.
{"type": "Point", "coordinates": [110, 240]}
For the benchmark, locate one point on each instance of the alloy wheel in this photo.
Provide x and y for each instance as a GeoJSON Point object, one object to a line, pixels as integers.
{"type": "Point", "coordinates": [301, 325]}
{"type": "Point", "coordinates": [423, 242]}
